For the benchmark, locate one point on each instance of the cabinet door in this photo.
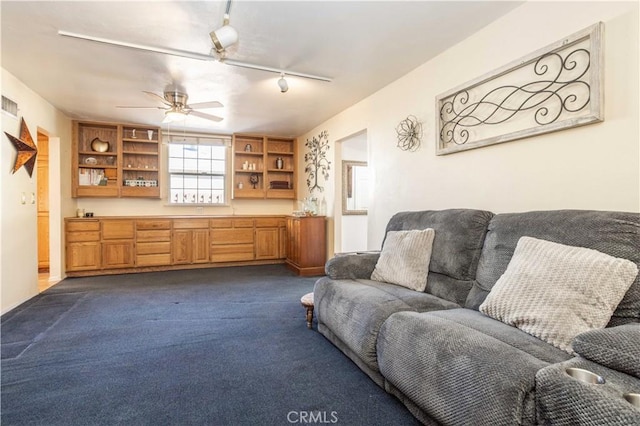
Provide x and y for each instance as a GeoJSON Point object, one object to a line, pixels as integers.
{"type": "Point", "coordinates": [83, 256]}
{"type": "Point", "coordinates": [267, 243]}
{"type": "Point", "coordinates": [293, 241]}
{"type": "Point", "coordinates": [181, 247]}
{"type": "Point", "coordinates": [117, 254]}
{"type": "Point", "coordinates": [200, 248]}
{"type": "Point", "coordinates": [282, 243]}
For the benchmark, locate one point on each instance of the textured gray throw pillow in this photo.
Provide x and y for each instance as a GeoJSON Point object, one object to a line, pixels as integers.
{"type": "Point", "coordinates": [404, 259]}
{"type": "Point", "coordinates": [555, 292]}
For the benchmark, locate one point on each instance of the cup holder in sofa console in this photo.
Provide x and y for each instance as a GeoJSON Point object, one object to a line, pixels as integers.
{"type": "Point", "coordinates": [633, 398]}
{"type": "Point", "coordinates": [585, 376]}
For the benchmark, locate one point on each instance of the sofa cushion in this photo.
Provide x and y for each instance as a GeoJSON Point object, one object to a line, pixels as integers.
{"type": "Point", "coordinates": [616, 347]}
{"type": "Point", "coordinates": [354, 310]}
{"type": "Point", "coordinates": [459, 235]}
{"type": "Point", "coordinates": [614, 233]}
{"type": "Point", "coordinates": [461, 367]}
{"type": "Point", "coordinates": [404, 259]}
{"type": "Point", "coordinates": [555, 292]}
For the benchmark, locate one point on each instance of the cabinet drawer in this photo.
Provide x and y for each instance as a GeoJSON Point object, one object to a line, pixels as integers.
{"type": "Point", "coordinates": [153, 248]}
{"type": "Point", "coordinates": [190, 223]}
{"type": "Point", "coordinates": [243, 223]}
{"type": "Point", "coordinates": [220, 223]}
{"type": "Point", "coordinates": [232, 236]}
{"type": "Point", "coordinates": [153, 260]}
{"type": "Point", "coordinates": [89, 225]}
{"type": "Point", "coordinates": [153, 235]}
{"type": "Point", "coordinates": [268, 222]}
{"type": "Point", "coordinates": [74, 237]}
{"type": "Point", "coordinates": [153, 224]}
{"type": "Point", "coordinates": [117, 229]}
{"type": "Point", "coordinates": [234, 253]}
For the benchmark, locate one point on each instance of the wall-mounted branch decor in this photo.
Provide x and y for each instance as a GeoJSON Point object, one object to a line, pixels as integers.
{"type": "Point", "coordinates": [27, 149]}
{"type": "Point", "coordinates": [409, 134]}
{"type": "Point", "coordinates": [316, 161]}
{"type": "Point", "coordinates": [557, 87]}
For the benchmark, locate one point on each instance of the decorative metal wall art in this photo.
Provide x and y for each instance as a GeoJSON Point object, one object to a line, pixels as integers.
{"type": "Point", "coordinates": [316, 161]}
{"type": "Point", "coordinates": [27, 150]}
{"type": "Point", "coordinates": [557, 87]}
{"type": "Point", "coordinates": [409, 134]}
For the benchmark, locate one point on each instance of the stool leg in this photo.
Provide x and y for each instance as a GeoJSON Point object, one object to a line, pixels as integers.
{"type": "Point", "coordinates": [309, 316]}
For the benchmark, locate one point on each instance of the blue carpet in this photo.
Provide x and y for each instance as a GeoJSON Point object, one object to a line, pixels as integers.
{"type": "Point", "coordinates": [223, 346]}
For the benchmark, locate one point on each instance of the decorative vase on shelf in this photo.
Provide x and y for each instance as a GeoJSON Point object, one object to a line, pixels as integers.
{"type": "Point", "coordinates": [279, 163]}
{"type": "Point", "coordinates": [150, 134]}
{"type": "Point", "coordinates": [99, 146]}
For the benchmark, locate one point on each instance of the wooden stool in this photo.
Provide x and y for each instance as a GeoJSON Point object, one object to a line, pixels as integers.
{"type": "Point", "coordinates": [307, 303]}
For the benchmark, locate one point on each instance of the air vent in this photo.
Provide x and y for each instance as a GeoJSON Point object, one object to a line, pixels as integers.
{"type": "Point", "coordinates": [10, 107]}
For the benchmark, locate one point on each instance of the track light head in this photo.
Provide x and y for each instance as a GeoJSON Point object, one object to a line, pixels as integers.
{"type": "Point", "coordinates": [224, 37]}
{"type": "Point", "coordinates": [282, 83]}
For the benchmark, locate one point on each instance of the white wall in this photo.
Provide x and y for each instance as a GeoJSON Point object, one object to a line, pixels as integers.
{"type": "Point", "coordinates": [18, 222]}
{"type": "Point", "coordinates": [591, 167]}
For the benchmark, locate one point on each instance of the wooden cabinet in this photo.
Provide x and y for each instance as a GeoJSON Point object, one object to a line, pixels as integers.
{"type": "Point", "coordinates": [232, 240]}
{"type": "Point", "coordinates": [95, 155]}
{"type": "Point", "coordinates": [117, 244]}
{"type": "Point", "coordinates": [115, 160]}
{"type": "Point", "coordinates": [140, 161]}
{"type": "Point", "coordinates": [280, 161]}
{"type": "Point", "coordinates": [153, 242]}
{"type": "Point", "coordinates": [268, 238]}
{"type": "Point", "coordinates": [82, 245]}
{"type": "Point", "coordinates": [190, 241]}
{"type": "Point", "coordinates": [111, 245]}
{"type": "Point", "coordinates": [306, 244]}
{"type": "Point", "coordinates": [264, 167]}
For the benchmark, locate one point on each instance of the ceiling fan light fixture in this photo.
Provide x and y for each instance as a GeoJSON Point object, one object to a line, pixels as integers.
{"type": "Point", "coordinates": [172, 115]}
{"type": "Point", "coordinates": [282, 83]}
{"type": "Point", "coordinates": [224, 37]}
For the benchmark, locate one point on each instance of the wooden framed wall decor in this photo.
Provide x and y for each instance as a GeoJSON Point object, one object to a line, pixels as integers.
{"type": "Point", "coordinates": [554, 88]}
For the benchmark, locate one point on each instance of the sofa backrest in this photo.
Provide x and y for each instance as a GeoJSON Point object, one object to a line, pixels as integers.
{"type": "Point", "coordinates": [614, 233]}
{"type": "Point", "coordinates": [459, 237]}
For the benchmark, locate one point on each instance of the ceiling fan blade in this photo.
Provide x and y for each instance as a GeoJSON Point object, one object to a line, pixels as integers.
{"type": "Point", "coordinates": [158, 97]}
{"type": "Point", "coordinates": [203, 105]}
{"type": "Point", "coordinates": [164, 50]}
{"type": "Point", "coordinates": [140, 107]}
{"type": "Point", "coordinates": [205, 116]}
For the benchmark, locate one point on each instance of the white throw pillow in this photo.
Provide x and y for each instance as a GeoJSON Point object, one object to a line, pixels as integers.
{"type": "Point", "coordinates": [555, 292]}
{"type": "Point", "coordinates": [405, 258]}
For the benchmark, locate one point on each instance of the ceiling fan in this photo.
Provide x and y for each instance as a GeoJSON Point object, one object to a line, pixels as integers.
{"type": "Point", "coordinates": [222, 38]}
{"type": "Point", "coordinates": [176, 107]}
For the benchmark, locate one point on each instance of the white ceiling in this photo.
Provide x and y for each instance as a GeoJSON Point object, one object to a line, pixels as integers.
{"type": "Point", "coordinates": [362, 46]}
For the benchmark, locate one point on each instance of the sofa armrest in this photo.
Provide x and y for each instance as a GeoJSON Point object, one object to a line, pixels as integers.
{"type": "Point", "coordinates": [565, 400]}
{"type": "Point", "coordinates": [617, 348]}
{"type": "Point", "coordinates": [351, 265]}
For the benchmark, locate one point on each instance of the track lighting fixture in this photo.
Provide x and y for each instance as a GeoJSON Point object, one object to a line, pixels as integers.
{"type": "Point", "coordinates": [224, 36]}
{"type": "Point", "coordinates": [282, 83]}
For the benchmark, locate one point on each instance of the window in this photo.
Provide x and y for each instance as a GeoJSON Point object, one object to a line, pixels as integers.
{"type": "Point", "coordinates": [198, 170]}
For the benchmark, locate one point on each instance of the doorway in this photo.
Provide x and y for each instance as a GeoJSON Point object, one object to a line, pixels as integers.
{"type": "Point", "coordinates": [42, 202]}
{"type": "Point", "coordinates": [353, 229]}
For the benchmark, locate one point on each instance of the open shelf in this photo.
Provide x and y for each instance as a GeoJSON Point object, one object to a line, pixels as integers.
{"type": "Point", "coordinates": [265, 154]}
{"type": "Point", "coordinates": [132, 154]}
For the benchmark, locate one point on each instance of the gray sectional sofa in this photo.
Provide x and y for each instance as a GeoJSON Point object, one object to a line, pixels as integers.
{"type": "Point", "coordinates": [451, 364]}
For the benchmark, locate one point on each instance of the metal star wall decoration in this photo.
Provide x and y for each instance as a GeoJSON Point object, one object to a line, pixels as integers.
{"type": "Point", "coordinates": [27, 149]}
